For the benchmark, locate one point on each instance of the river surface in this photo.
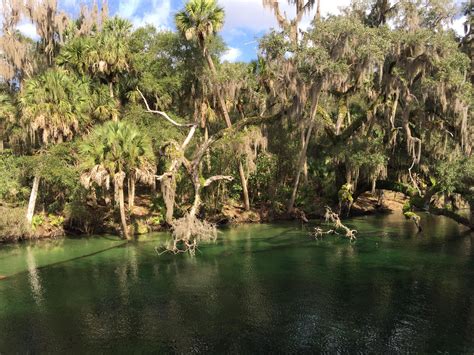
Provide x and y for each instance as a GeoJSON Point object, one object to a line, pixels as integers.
{"type": "Point", "coordinates": [259, 289]}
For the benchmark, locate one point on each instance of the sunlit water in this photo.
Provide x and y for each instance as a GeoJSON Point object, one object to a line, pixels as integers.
{"type": "Point", "coordinates": [258, 289]}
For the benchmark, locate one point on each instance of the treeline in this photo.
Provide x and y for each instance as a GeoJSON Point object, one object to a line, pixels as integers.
{"type": "Point", "coordinates": [103, 125]}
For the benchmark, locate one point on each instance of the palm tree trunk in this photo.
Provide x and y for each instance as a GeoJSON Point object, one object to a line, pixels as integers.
{"type": "Point", "coordinates": [228, 122]}
{"type": "Point", "coordinates": [111, 93]}
{"type": "Point", "coordinates": [32, 201]}
{"type": "Point", "coordinates": [111, 89]}
{"type": "Point", "coordinates": [131, 192]}
{"type": "Point", "coordinates": [118, 186]}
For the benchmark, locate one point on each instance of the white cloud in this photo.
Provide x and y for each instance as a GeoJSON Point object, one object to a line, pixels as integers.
{"type": "Point", "coordinates": [28, 29]}
{"type": "Point", "coordinates": [458, 25]}
{"type": "Point", "coordinates": [142, 13]}
{"type": "Point", "coordinates": [127, 8]}
{"type": "Point", "coordinates": [250, 14]}
{"type": "Point", "coordinates": [159, 16]}
{"type": "Point", "coordinates": [231, 54]}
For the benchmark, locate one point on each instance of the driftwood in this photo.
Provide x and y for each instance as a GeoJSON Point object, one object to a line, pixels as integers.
{"type": "Point", "coordinates": [339, 227]}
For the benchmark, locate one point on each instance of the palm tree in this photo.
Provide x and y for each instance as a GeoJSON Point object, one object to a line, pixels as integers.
{"type": "Point", "coordinates": [54, 107]}
{"type": "Point", "coordinates": [104, 56]}
{"type": "Point", "coordinates": [110, 55]}
{"type": "Point", "coordinates": [114, 152]}
{"type": "Point", "coordinates": [75, 55]}
{"type": "Point", "coordinates": [199, 21]}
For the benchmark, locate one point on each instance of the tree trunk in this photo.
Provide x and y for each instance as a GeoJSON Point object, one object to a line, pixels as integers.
{"type": "Point", "coordinates": [222, 104]}
{"type": "Point", "coordinates": [304, 148]}
{"type": "Point", "coordinates": [244, 187]}
{"type": "Point", "coordinates": [111, 93]}
{"type": "Point", "coordinates": [471, 210]}
{"type": "Point", "coordinates": [111, 89]}
{"type": "Point", "coordinates": [228, 122]}
{"type": "Point", "coordinates": [168, 191]}
{"type": "Point", "coordinates": [305, 165]}
{"type": "Point", "coordinates": [131, 192]}
{"type": "Point", "coordinates": [197, 200]}
{"type": "Point", "coordinates": [119, 179]}
{"type": "Point", "coordinates": [318, 10]}
{"type": "Point", "coordinates": [31, 204]}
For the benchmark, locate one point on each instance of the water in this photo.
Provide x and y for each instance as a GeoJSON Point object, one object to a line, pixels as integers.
{"type": "Point", "coordinates": [258, 289]}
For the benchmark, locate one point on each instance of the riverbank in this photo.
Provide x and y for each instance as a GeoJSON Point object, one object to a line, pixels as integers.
{"type": "Point", "coordinates": [144, 220]}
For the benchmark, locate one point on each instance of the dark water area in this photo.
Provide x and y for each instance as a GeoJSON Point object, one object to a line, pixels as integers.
{"type": "Point", "coordinates": [258, 289]}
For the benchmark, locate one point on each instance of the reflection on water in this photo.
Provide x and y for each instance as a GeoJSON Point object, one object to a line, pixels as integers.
{"type": "Point", "coordinates": [33, 277]}
{"type": "Point", "coordinates": [261, 288]}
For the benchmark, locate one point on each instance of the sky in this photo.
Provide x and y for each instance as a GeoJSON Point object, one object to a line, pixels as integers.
{"type": "Point", "coordinates": [245, 20]}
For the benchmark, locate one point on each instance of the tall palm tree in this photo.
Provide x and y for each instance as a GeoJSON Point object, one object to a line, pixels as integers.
{"type": "Point", "coordinates": [110, 55]}
{"type": "Point", "coordinates": [105, 56]}
{"type": "Point", "coordinates": [54, 107]}
{"type": "Point", "coordinates": [199, 21]}
{"type": "Point", "coordinates": [114, 152]}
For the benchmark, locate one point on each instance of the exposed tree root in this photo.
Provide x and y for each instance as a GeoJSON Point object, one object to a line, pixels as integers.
{"type": "Point", "coordinates": [188, 233]}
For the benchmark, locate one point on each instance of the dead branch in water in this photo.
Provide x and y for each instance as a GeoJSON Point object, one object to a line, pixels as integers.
{"type": "Point", "coordinates": [333, 218]}
{"type": "Point", "coordinates": [188, 232]}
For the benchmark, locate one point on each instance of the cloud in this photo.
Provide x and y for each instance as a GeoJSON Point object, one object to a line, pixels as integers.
{"type": "Point", "coordinates": [143, 12]}
{"type": "Point", "coordinates": [458, 25]}
{"type": "Point", "coordinates": [28, 29]}
{"type": "Point", "coordinates": [231, 54]}
{"type": "Point", "coordinates": [159, 16]}
{"type": "Point", "coordinates": [127, 8]}
{"type": "Point", "coordinates": [252, 15]}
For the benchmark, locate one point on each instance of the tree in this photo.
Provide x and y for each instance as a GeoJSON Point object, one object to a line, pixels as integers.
{"type": "Point", "coordinates": [8, 112]}
{"type": "Point", "coordinates": [301, 6]}
{"type": "Point", "coordinates": [117, 151]}
{"type": "Point", "coordinates": [200, 20]}
{"type": "Point", "coordinates": [110, 55]}
{"type": "Point", "coordinates": [54, 107]}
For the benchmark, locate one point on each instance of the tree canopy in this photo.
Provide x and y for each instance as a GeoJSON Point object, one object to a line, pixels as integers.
{"type": "Point", "coordinates": [377, 97]}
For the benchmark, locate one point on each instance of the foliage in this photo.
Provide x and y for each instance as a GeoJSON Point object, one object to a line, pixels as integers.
{"type": "Point", "coordinates": [11, 184]}
{"type": "Point", "coordinates": [376, 97]}
{"type": "Point", "coordinates": [37, 221]}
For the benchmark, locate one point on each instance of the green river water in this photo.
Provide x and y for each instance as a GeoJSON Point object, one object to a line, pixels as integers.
{"type": "Point", "coordinates": [259, 289]}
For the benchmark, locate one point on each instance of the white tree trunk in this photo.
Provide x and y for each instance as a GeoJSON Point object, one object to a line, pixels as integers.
{"type": "Point", "coordinates": [118, 185]}
{"type": "Point", "coordinates": [32, 203]}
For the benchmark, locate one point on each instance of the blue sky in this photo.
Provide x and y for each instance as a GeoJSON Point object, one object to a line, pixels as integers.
{"type": "Point", "coordinates": [246, 20]}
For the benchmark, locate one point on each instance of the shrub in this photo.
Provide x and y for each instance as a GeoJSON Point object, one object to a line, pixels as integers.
{"type": "Point", "coordinates": [13, 224]}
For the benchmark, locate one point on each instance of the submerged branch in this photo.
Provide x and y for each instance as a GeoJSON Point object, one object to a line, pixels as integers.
{"type": "Point", "coordinates": [333, 218]}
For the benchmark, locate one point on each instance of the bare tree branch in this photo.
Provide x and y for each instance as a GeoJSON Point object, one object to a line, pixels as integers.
{"type": "Point", "coordinates": [216, 178]}
{"type": "Point", "coordinates": [164, 114]}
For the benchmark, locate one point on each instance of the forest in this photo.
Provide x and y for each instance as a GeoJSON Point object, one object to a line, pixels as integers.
{"type": "Point", "coordinates": [107, 128]}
